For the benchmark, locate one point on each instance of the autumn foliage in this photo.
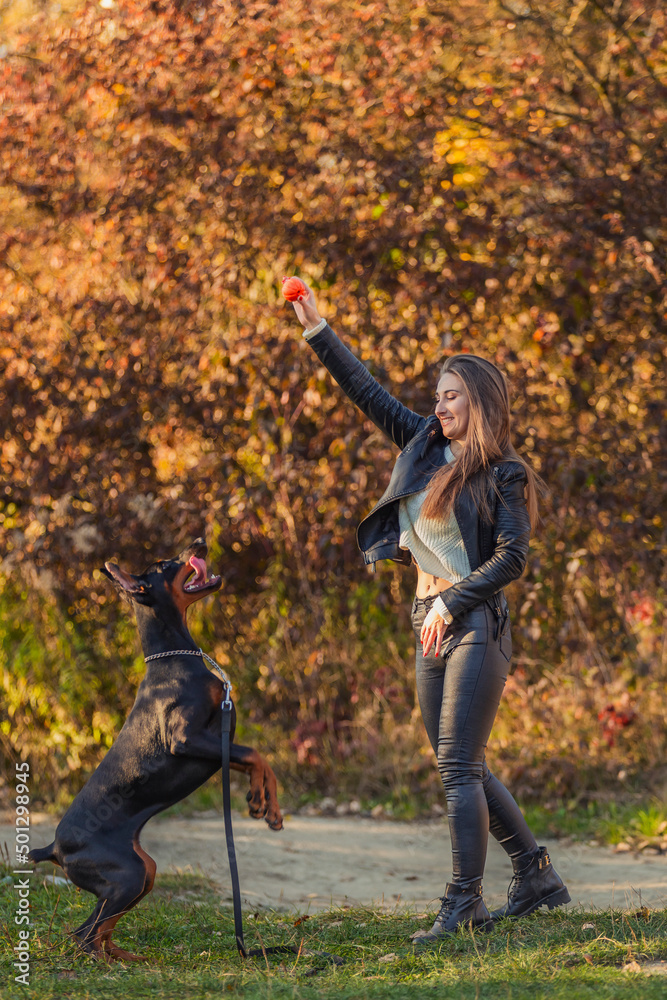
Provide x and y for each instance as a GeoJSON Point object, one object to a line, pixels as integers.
{"type": "Point", "coordinates": [476, 176]}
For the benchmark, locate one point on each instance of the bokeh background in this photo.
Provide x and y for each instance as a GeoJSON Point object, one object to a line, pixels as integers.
{"type": "Point", "coordinates": [472, 176]}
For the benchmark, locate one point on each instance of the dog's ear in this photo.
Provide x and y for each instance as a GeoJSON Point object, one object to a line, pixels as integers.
{"type": "Point", "coordinates": [129, 585]}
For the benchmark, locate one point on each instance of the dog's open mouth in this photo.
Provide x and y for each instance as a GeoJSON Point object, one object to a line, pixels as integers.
{"type": "Point", "coordinates": [200, 580]}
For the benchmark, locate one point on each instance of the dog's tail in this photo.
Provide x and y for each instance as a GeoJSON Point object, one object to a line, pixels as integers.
{"type": "Point", "coordinates": [43, 854]}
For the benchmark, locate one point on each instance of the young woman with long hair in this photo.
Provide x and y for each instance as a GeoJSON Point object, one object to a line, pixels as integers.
{"type": "Point", "coordinates": [459, 506]}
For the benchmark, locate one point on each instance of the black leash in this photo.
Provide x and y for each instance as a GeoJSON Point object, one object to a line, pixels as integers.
{"type": "Point", "coordinates": [286, 949]}
{"type": "Point", "coordinates": [231, 851]}
{"type": "Point", "coordinates": [227, 816]}
{"type": "Point", "coordinates": [226, 728]}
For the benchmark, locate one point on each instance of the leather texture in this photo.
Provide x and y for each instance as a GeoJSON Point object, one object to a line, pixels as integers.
{"type": "Point", "coordinates": [536, 883]}
{"type": "Point", "coordinates": [459, 693]}
{"type": "Point", "coordinates": [497, 552]}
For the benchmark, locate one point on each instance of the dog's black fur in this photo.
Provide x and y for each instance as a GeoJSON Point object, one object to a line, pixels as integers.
{"type": "Point", "coordinates": [170, 744]}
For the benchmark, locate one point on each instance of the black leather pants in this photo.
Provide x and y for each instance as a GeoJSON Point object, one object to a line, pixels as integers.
{"type": "Point", "coordinates": [459, 693]}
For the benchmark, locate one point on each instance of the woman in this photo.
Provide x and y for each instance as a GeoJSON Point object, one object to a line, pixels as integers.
{"type": "Point", "coordinates": [455, 507]}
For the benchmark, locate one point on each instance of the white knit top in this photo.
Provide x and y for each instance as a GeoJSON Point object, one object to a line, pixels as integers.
{"type": "Point", "coordinates": [437, 546]}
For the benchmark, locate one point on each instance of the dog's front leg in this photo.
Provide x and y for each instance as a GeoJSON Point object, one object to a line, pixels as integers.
{"type": "Point", "coordinates": [197, 745]}
{"type": "Point", "coordinates": [263, 795]}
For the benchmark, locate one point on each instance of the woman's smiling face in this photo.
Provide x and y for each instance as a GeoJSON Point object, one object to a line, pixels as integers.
{"type": "Point", "coordinates": [452, 407]}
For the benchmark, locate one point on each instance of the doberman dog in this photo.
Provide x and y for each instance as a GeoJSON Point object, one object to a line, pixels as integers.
{"type": "Point", "coordinates": [169, 745]}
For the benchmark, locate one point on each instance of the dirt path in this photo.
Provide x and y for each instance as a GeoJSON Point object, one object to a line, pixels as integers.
{"type": "Point", "coordinates": [316, 862]}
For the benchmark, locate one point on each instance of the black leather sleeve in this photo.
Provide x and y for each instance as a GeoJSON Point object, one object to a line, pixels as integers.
{"type": "Point", "coordinates": [511, 539]}
{"type": "Point", "coordinates": [393, 418]}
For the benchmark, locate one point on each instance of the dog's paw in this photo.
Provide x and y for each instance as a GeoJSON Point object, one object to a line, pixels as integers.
{"type": "Point", "coordinates": [256, 803]}
{"type": "Point", "coordinates": [273, 816]}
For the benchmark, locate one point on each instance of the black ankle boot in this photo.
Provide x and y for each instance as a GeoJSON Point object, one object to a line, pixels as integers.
{"type": "Point", "coordinates": [535, 883]}
{"type": "Point", "coordinates": [460, 908]}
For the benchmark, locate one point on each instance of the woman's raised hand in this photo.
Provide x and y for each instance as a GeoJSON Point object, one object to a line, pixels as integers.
{"type": "Point", "coordinates": [306, 310]}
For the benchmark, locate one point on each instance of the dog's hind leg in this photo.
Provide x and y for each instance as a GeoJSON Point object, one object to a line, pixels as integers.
{"type": "Point", "coordinates": [133, 876]}
{"type": "Point", "coordinates": [110, 949]}
{"type": "Point", "coordinates": [263, 795]}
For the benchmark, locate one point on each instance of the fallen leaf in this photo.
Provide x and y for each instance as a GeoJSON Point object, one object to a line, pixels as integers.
{"type": "Point", "coordinates": [631, 967]}
{"type": "Point", "coordinates": [391, 957]}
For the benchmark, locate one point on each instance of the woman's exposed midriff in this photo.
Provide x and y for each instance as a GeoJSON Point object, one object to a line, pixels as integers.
{"type": "Point", "coordinates": [428, 585]}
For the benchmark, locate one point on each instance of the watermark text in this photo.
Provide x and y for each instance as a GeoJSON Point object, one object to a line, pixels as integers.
{"type": "Point", "coordinates": [23, 875]}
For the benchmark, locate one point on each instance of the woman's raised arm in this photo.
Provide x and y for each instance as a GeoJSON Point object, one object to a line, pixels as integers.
{"type": "Point", "coordinates": [397, 421]}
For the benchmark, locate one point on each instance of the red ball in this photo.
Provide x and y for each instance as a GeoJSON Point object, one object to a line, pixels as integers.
{"type": "Point", "coordinates": [294, 289]}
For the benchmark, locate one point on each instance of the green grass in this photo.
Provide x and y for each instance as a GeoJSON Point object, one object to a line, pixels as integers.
{"type": "Point", "coordinates": [606, 821]}
{"type": "Point", "coordinates": [650, 822]}
{"type": "Point", "coordinates": [186, 933]}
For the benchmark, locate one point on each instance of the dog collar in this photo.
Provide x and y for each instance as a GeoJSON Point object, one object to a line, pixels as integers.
{"type": "Point", "coordinates": [194, 652]}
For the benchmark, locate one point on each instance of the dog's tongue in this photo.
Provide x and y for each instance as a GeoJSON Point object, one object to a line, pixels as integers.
{"type": "Point", "coordinates": [199, 566]}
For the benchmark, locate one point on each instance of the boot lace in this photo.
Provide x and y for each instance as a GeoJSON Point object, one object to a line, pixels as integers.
{"type": "Point", "coordinates": [515, 885]}
{"type": "Point", "coordinates": [446, 908]}
{"type": "Point", "coordinates": [521, 876]}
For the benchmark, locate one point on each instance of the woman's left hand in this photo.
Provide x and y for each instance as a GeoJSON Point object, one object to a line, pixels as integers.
{"type": "Point", "coordinates": [433, 630]}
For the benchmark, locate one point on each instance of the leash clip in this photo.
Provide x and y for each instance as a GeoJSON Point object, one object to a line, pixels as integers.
{"type": "Point", "coordinates": [226, 704]}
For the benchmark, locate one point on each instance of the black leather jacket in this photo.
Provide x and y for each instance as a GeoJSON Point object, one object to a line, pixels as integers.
{"type": "Point", "coordinates": [497, 552]}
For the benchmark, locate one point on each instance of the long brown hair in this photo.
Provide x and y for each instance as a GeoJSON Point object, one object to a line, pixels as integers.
{"type": "Point", "coordinates": [488, 440]}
